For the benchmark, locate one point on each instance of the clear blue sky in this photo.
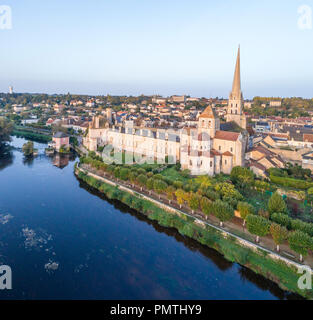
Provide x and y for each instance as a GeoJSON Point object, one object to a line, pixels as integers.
{"type": "Point", "coordinates": [156, 46]}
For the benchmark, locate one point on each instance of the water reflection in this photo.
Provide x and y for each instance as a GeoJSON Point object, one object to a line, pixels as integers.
{"type": "Point", "coordinates": [62, 160]}
{"type": "Point", "coordinates": [6, 157]}
{"type": "Point", "coordinates": [28, 161]}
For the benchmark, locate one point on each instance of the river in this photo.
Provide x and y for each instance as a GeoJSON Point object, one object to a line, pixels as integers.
{"type": "Point", "coordinates": [65, 241]}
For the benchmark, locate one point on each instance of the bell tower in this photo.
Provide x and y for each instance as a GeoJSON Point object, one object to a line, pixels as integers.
{"type": "Point", "coordinates": [235, 103]}
{"type": "Point", "coordinates": [208, 122]}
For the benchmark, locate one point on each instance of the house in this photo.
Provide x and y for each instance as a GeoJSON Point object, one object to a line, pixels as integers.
{"type": "Point", "coordinates": [262, 159]}
{"type": "Point", "coordinates": [59, 107]}
{"type": "Point", "coordinates": [307, 161]}
{"type": "Point", "coordinates": [262, 126]}
{"type": "Point", "coordinates": [60, 139]}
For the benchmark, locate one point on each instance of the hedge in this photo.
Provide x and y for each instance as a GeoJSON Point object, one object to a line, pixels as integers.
{"type": "Point", "coordinates": [290, 182]}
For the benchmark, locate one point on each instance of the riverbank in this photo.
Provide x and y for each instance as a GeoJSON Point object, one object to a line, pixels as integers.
{"type": "Point", "coordinates": [27, 134]}
{"type": "Point", "coordinates": [278, 269]}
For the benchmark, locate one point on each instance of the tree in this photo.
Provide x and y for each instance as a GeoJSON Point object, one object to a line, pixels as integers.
{"type": "Point", "coordinates": [206, 206]}
{"type": "Point", "coordinates": [149, 184]}
{"type": "Point", "coordinates": [124, 174]}
{"type": "Point", "coordinates": [222, 210]}
{"type": "Point", "coordinates": [159, 186]}
{"type": "Point", "coordinates": [170, 193]}
{"type": "Point", "coordinates": [6, 128]}
{"type": "Point", "coordinates": [300, 242]}
{"type": "Point", "coordinates": [279, 234]}
{"type": "Point", "coordinates": [228, 193]}
{"type": "Point", "coordinates": [277, 204]}
{"type": "Point", "coordinates": [132, 177]}
{"type": "Point", "coordinates": [142, 180]}
{"type": "Point", "coordinates": [242, 176]}
{"type": "Point", "coordinates": [117, 172]}
{"type": "Point", "coordinates": [245, 209]}
{"type": "Point", "coordinates": [258, 226]}
{"type": "Point", "coordinates": [180, 197]}
{"type": "Point", "coordinates": [282, 219]}
{"type": "Point", "coordinates": [193, 201]}
{"type": "Point", "coordinates": [28, 148]}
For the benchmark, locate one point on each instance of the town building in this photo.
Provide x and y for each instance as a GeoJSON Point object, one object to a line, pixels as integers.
{"type": "Point", "coordinates": [203, 149]}
{"type": "Point", "coordinates": [60, 140]}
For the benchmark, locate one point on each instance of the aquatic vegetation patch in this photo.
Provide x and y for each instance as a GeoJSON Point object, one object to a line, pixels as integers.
{"type": "Point", "coordinates": [5, 218]}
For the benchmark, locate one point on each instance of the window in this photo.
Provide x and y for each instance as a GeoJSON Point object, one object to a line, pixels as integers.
{"type": "Point", "coordinates": [211, 164]}
{"type": "Point", "coordinates": [231, 149]}
{"type": "Point", "coordinates": [225, 161]}
{"type": "Point", "coordinates": [190, 162]}
{"type": "Point", "coordinates": [219, 148]}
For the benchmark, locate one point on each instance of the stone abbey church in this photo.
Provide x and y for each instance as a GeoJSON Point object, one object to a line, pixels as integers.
{"type": "Point", "coordinates": [204, 149]}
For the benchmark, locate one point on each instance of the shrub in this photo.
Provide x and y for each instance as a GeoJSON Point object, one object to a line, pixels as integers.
{"type": "Point", "coordinates": [263, 213]}
{"type": "Point", "coordinates": [242, 176]}
{"type": "Point", "coordinates": [245, 209]}
{"type": "Point", "coordinates": [290, 182]}
{"type": "Point", "coordinates": [178, 184]}
{"type": "Point", "coordinates": [212, 195]}
{"type": "Point", "coordinates": [282, 219]}
{"type": "Point", "coordinates": [297, 224]}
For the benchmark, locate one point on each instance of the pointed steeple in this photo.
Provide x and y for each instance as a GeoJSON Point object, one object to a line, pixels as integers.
{"type": "Point", "coordinates": [236, 91]}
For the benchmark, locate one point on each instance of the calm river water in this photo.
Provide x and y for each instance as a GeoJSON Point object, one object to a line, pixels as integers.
{"type": "Point", "coordinates": [64, 241]}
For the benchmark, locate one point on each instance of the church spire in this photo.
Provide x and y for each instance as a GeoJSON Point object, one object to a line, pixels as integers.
{"type": "Point", "coordinates": [236, 91]}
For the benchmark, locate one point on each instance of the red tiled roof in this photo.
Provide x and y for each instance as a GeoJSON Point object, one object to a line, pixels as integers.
{"type": "Point", "coordinates": [215, 152]}
{"type": "Point", "coordinates": [307, 137]}
{"type": "Point", "coordinates": [227, 154]}
{"type": "Point", "coordinates": [257, 165]}
{"type": "Point", "coordinates": [227, 135]}
{"type": "Point", "coordinates": [208, 113]}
